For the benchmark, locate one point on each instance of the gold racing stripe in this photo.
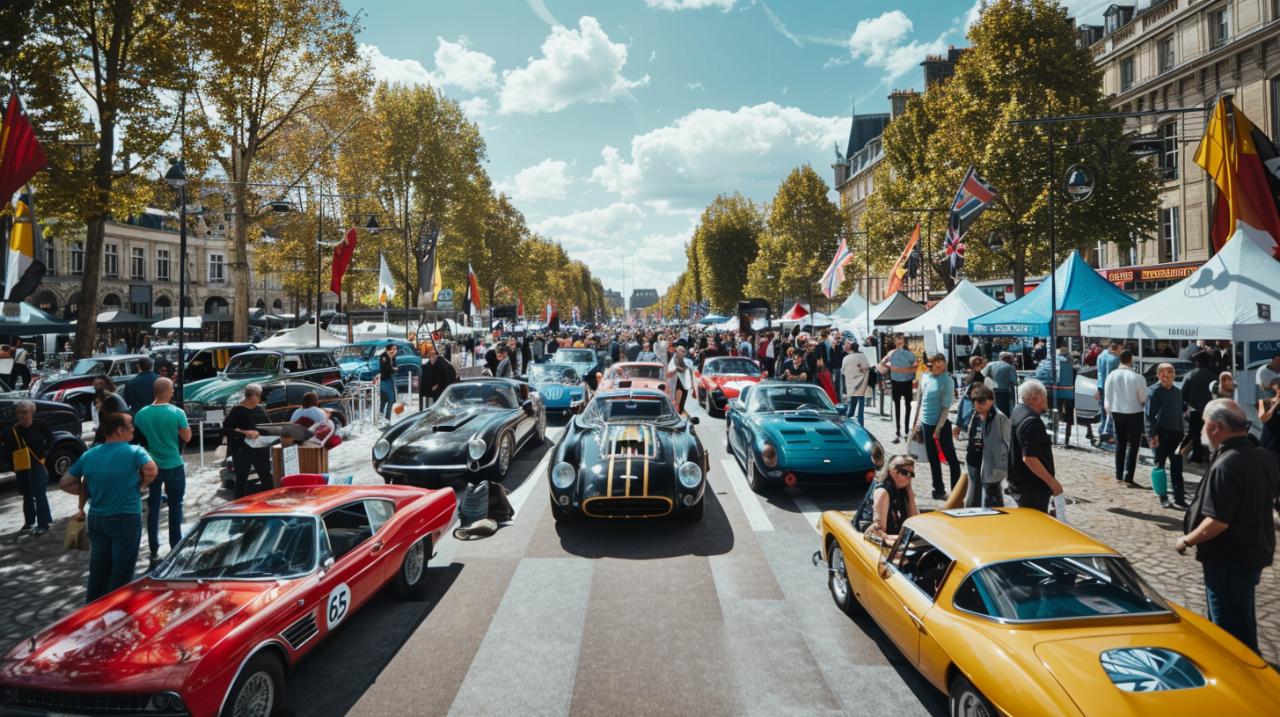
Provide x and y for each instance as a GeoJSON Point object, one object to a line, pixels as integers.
{"type": "Point", "coordinates": [627, 476]}
{"type": "Point", "coordinates": [612, 457]}
{"type": "Point", "coordinates": [648, 433]}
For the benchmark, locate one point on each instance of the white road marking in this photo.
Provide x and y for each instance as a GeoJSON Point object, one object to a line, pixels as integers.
{"type": "Point", "coordinates": [810, 511]}
{"type": "Point", "coordinates": [521, 493]}
{"type": "Point", "coordinates": [747, 498]}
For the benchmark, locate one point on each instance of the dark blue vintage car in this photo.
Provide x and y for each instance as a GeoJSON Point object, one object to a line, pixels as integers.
{"type": "Point", "coordinates": [560, 386]}
{"type": "Point", "coordinates": [359, 361]}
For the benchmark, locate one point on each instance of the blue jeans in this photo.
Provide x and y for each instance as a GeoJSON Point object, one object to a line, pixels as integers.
{"type": "Point", "coordinates": [858, 405]}
{"type": "Point", "coordinates": [1229, 590]}
{"type": "Point", "coordinates": [388, 390]}
{"type": "Point", "coordinates": [113, 551]}
{"type": "Point", "coordinates": [170, 482]}
{"type": "Point", "coordinates": [34, 487]}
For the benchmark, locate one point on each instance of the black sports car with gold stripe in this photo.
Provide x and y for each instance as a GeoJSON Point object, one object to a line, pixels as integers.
{"type": "Point", "coordinates": [629, 455]}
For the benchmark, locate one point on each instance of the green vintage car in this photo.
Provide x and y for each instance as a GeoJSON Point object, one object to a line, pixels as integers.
{"type": "Point", "coordinates": [208, 400]}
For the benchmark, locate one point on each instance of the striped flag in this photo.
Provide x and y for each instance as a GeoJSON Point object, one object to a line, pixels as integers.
{"type": "Point", "coordinates": [24, 266]}
{"type": "Point", "coordinates": [834, 274]}
{"type": "Point", "coordinates": [20, 153]}
{"type": "Point", "coordinates": [472, 305]}
{"type": "Point", "coordinates": [386, 285]}
{"type": "Point", "coordinates": [899, 271]}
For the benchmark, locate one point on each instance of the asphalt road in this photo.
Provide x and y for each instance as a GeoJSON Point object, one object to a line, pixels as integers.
{"type": "Point", "coordinates": [727, 616]}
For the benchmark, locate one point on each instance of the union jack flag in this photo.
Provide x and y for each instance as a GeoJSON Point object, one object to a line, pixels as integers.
{"type": "Point", "coordinates": [973, 196]}
{"type": "Point", "coordinates": [955, 252]}
{"type": "Point", "coordinates": [834, 275]}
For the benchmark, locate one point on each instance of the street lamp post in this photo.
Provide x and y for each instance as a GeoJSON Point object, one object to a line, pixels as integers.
{"type": "Point", "coordinates": [176, 177]}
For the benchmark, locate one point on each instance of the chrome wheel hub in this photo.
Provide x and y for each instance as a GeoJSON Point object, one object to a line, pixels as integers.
{"type": "Point", "coordinates": [414, 561]}
{"type": "Point", "coordinates": [504, 455]}
{"type": "Point", "coordinates": [839, 575]}
{"type": "Point", "coordinates": [257, 698]}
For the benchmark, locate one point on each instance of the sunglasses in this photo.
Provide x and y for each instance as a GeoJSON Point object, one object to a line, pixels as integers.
{"type": "Point", "coordinates": [904, 472]}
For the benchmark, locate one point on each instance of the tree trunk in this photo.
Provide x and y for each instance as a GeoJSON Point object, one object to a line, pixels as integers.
{"type": "Point", "coordinates": [240, 247]}
{"type": "Point", "coordinates": [95, 232]}
{"type": "Point", "coordinates": [1019, 275]}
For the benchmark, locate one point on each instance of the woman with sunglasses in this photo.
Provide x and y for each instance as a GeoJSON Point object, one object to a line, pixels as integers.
{"type": "Point", "coordinates": [987, 452]}
{"type": "Point", "coordinates": [893, 500]}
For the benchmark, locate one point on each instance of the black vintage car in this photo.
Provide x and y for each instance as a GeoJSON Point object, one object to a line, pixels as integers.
{"type": "Point", "coordinates": [209, 400]}
{"type": "Point", "coordinates": [477, 425]}
{"type": "Point", "coordinates": [75, 388]}
{"type": "Point", "coordinates": [204, 359]}
{"type": "Point", "coordinates": [629, 455]}
{"type": "Point", "coordinates": [63, 421]}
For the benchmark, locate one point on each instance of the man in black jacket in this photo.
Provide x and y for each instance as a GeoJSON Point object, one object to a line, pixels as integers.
{"type": "Point", "coordinates": [1195, 390]}
{"type": "Point", "coordinates": [437, 375]}
{"type": "Point", "coordinates": [139, 391]}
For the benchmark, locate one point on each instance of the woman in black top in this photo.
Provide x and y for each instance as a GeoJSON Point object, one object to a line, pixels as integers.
{"type": "Point", "coordinates": [241, 424]}
{"type": "Point", "coordinates": [892, 500]}
{"type": "Point", "coordinates": [107, 402]}
{"type": "Point", "coordinates": [35, 439]}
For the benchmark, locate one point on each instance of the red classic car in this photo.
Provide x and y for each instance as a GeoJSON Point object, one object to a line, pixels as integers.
{"type": "Point", "coordinates": [722, 378]}
{"type": "Point", "coordinates": [634, 374]}
{"type": "Point", "coordinates": [252, 588]}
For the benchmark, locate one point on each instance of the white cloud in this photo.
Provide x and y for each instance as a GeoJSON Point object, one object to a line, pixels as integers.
{"type": "Point", "coordinates": [883, 42]}
{"type": "Point", "coordinates": [580, 65]}
{"type": "Point", "coordinates": [973, 14]}
{"type": "Point", "coordinates": [542, 182]}
{"type": "Point", "coordinates": [725, 5]}
{"type": "Point", "coordinates": [475, 108]}
{"type": "Point", "coordinates": [394, 71]}
{"type": "Point", "coordinates": [710, 151]}
{"type": "Point", "coordinates": [463, 67]}
{"type": "Point", "coordinates": [695, 86]}
{"type": "Point", "coordinates": [653, 55]}
{"type": "Point", "coordinates": [587, 229]}
{"type": "Point", "coordinates": [779, 26]}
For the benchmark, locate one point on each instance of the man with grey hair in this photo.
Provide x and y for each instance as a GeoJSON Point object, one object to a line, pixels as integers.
{"type": "Point", "coordinates": [1230, 521]}
{"type": "Point", "coordinates": [1005, 376]}
{"type": "Point", "coordinates": [27, 444]}
{"type": "Point", "coordinates": [1031, 479]}
{"type": "Point", "coordinates": [240, 426]}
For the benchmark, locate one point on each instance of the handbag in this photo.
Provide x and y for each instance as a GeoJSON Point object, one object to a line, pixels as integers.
{"type": "Point", "coordinates": [23, 456]}
{"type": "Point", "coordinates": [77, 536]}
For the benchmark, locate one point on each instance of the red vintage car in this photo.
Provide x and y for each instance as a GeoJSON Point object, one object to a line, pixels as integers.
{"type": "Point", "coordinates": [722, 378]}
{"type": "Point", "coordinates": [252, 588]}
{"type": "Point", "coordinates": [634, 374]}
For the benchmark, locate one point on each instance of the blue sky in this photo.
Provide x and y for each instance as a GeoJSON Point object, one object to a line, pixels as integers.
{"type": "Point", "coordinates": [612, 123]}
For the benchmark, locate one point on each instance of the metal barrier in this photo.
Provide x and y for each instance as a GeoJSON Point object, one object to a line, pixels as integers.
{"type": "Point", "coordinates": [361, 402]}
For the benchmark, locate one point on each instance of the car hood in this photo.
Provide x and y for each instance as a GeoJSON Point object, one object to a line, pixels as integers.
{"type": "Point", "coordinates": [145, 630]}
{"type": "Point", "coordinates": [826, 442]}
{"type": "Point", "coordinates": [732, 383]}
{"type": "Point", "coordinates": [441, 433]}
{"type": "Point", "coordinates": [1236, 680]}
{"type": "Point", "coordinates": [219, 389]}
{"type": "Point", "coordinates": [638, 459]}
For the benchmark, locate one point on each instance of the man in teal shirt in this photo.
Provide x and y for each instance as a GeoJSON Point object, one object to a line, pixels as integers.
{"type": "Point", "coordinates": [937, 393]}
{"type": "Point", "coordinates": [165, 427]}
{"type": "Point", "coordinates": [1108, 361]}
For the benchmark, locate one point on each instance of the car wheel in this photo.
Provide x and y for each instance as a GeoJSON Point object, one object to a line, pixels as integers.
{"type": "Point", "coordinates": [967, 701]}
{"type": "Point", "coordinates": [411, 579]}
{"type": "Point", "coordinates": [754, 479]}
{"type": "Point", "coordinates": [838, 578]}
{"type": "Point", "coordinates": [338, 420]}
{"type": "Point", "coordinates": [541, 435]}
{"type": "Point", "coordinates": [259, 690]}
{"type": "Point", "coordinates": [728, 442]}
{"type": "Point", "coordinates": [694, 513]}
{"type": "Point", "coordinates": [60, 459]}
{"type": "Point", "coordinates": [503, 462]}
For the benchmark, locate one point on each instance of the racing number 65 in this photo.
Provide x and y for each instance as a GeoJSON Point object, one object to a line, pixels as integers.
{"type": "Point", "coordinates": [337, 604]}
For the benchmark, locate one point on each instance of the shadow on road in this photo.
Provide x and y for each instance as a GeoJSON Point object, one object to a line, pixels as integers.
{"type": "Point", "coordinates": [1168, 522]}
{"type": "Point", "coordinates": [930, 698]}
{"type": "Point", "coordinates": [332, 679]}
{"type": "Point", "coordinates": [650, 539]}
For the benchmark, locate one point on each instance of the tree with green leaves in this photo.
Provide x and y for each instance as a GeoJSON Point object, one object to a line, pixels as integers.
{"type": "Point", "coordinates": [1013, 71]}
{"type": "Point", "coordinates": [803, 231]}
{"type": "Point", "coordinates": [726, 241]}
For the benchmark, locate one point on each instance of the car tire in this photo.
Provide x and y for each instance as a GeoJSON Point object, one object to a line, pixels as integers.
{"type": "Point", "coordinates": [505, 452]}
{"type": "Point", "coordinates": [411, 579]}
{"type": "Point", "coordinates": [728, 443]}
{"type": "Point", "coordinates": [694, 513]}
{"type": "Point", "coordinates": [754, 480]}
{"type": "Point", "coordinates": [259, 689]}
{"type": "Point", "coordinates": [60, 459]}
{"type": "Point", "coordinates": [540, 433]}
{"type": "Point", "coordinates": [838, 578]}
{"type": "Point", "coordinates": [339, 421]}
{"type": "Point", "coordinates": [967, 701]}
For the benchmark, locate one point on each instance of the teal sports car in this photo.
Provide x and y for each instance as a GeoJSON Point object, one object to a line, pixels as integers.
{"type": "Point", "coordinates": [789, 433]}
{"type": "Point", "coordinates": [559, 385]}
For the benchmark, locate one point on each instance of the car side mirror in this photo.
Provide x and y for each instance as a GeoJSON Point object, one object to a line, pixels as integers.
{"type": "Point", "coordinates": [734, 405]}
{"type": "Point", "coordinates": [328, 563]}
{"type": "Point", "coordinates": [527, 406]}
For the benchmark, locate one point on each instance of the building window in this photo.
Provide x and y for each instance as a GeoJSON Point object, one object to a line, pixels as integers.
{"type": "Point", "coordinates": [1164, 53]}
{"type": "Point", "coordinates": [50, 259]}
{"type": "Point", "coordinates": [216, 268]}
{"type": "Point", "coordinates": [1169, 234]}
{"type": "Point", "coordinates": [1219, 27]}
{"type": "Point", "coordinates": [111, 261]}
{"type": "Point", "coordinates": [77, 258]}
{"type": "Point", "coordinates": [137, 263]}
{"type": "Point", "coordinates": [1126, 73]}
{"type": "Point", "coordinates": [1169, 155]}
{"type": "Point", "coordinates": [162, 264]}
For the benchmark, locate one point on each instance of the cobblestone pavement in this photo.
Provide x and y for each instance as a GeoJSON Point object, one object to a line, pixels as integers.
{"type": "Point", "coordinates": [1130, 520]}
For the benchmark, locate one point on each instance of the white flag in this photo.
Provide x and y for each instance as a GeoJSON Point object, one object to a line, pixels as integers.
{"type": "Point", "coordinates": [386, 287]}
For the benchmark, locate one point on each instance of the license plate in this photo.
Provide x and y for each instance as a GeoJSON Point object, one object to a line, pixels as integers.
{"type": "Point", "coordinates": [213, 417]}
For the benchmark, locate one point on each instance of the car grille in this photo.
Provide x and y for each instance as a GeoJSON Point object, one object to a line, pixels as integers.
{"type": "Point", "coordinates": [650, 507]}
{"type": "Point", "coordinates": [77, 703]}
{"type": "Point", "coordinates": [299, 632]}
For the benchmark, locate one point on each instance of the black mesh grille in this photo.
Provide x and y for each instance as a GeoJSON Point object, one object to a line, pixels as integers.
{"type": "Point", "coordinates": [627, 507]}
{"type": "Point", "coordinates": [299, 632]}
{"type": "Point", "coordinates": [77, 703]}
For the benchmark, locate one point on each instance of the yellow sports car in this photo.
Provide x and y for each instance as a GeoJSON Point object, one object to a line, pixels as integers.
{"type": "Point", "coordinates": [1011, 612]}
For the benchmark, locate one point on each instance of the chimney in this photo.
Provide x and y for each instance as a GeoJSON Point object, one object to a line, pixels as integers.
{"type": "Point", "coordinates": [898, 101]}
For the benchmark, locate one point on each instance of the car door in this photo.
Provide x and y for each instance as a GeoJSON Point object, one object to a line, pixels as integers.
{"type": "Point", "coordinates": [915, 572]}
{"type": "Point", "coordinates": [274, 399]}
{"type": "Point", "coordinates": [357, 551]}
{"type": "Point", "coordinates": [524, 423]}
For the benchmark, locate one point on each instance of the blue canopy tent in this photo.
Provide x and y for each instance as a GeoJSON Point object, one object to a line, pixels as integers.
{"type": "Point", "coordinates": [1080, 288]}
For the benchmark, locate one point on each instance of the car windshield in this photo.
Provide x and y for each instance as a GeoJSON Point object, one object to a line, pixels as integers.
{"type": "Point", "coordinates": [642, 372]}
{"type": "Point", "coordinates": [790, 398]}
{"type": "Point", "coordinates": [576, 355]}
{"type": "Point", "coordinates": [243, 548]}
{"type": "Point", "coordinates": [90, 366]}
{"type": "Point", "coordinates": [354, 352]}
{"type": "Point", "coordinates": [1058, 588]}
{"type": "Point", "coordinates": [477, 394]}
{"type": "Point", "coordinates": [640, 409]}
{"type": "Point", "coordinates": [553, 373]}
{"type": "Point", "coordinates": [254, 363]}
{"type": "Point", "coordinates": [736, 366]}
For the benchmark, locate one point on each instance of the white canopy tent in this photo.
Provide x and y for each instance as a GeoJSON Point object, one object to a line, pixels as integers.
{"type": "Point", "coordinates": [950, 315]}
{"type": "Point", "coordinates": [853, 306]}
{"type": "Point", "coordinates": [191, 323]}
{"type": "Point", "coordinates": [1233, 296]}
{"type": "Point", "coordinates": [301, 337]}
{"type": "Point", "coordinates": [731, 324]}
{"type": "Point", "coordinates": [377, 330]}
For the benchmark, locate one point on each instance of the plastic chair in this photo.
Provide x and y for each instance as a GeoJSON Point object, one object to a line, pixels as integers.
{"type": "Point", "coordinates": [302, 480]}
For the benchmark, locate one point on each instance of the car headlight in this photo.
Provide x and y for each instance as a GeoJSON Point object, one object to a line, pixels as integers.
{"type": "Point", "coordinates": [769, 455]}
{"type": "Point", "coordinates": [690, 474]}
{"type": "Point", "coordinates": [563, 475]}
{"type": "Point", "coordinates": [381, 449]}
{"type": "Point", "coordinates": [877, 454]}
{"type": "Point", "coordinates": [475, 448]}
{"type": "Point", "coordinates": [166, 702]}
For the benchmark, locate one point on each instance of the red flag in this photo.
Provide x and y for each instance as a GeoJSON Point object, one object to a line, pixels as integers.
{"type": "Point", "coordinates": [520, 304]}
{"type": "Point", "coordinates": [473, 293]}
{"type": "Point", "coordinates": [1231, 151]}
{"type": "Point", "coordinates": [341, 260]}
{"type": "Point", "coordinates": [20, 154]}
{"type": "Point", "coordinates": [900, 268]}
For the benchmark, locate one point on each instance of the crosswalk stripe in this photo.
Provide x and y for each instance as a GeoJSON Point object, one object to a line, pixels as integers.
{"type": "Point", "coordinates": [810, 511]}
{"type": "Point", "coordinates": [747, 498]}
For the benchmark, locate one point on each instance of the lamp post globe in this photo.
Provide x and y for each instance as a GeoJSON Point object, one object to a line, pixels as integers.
{"type": "Point", "coordinates": [1079, 182]}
